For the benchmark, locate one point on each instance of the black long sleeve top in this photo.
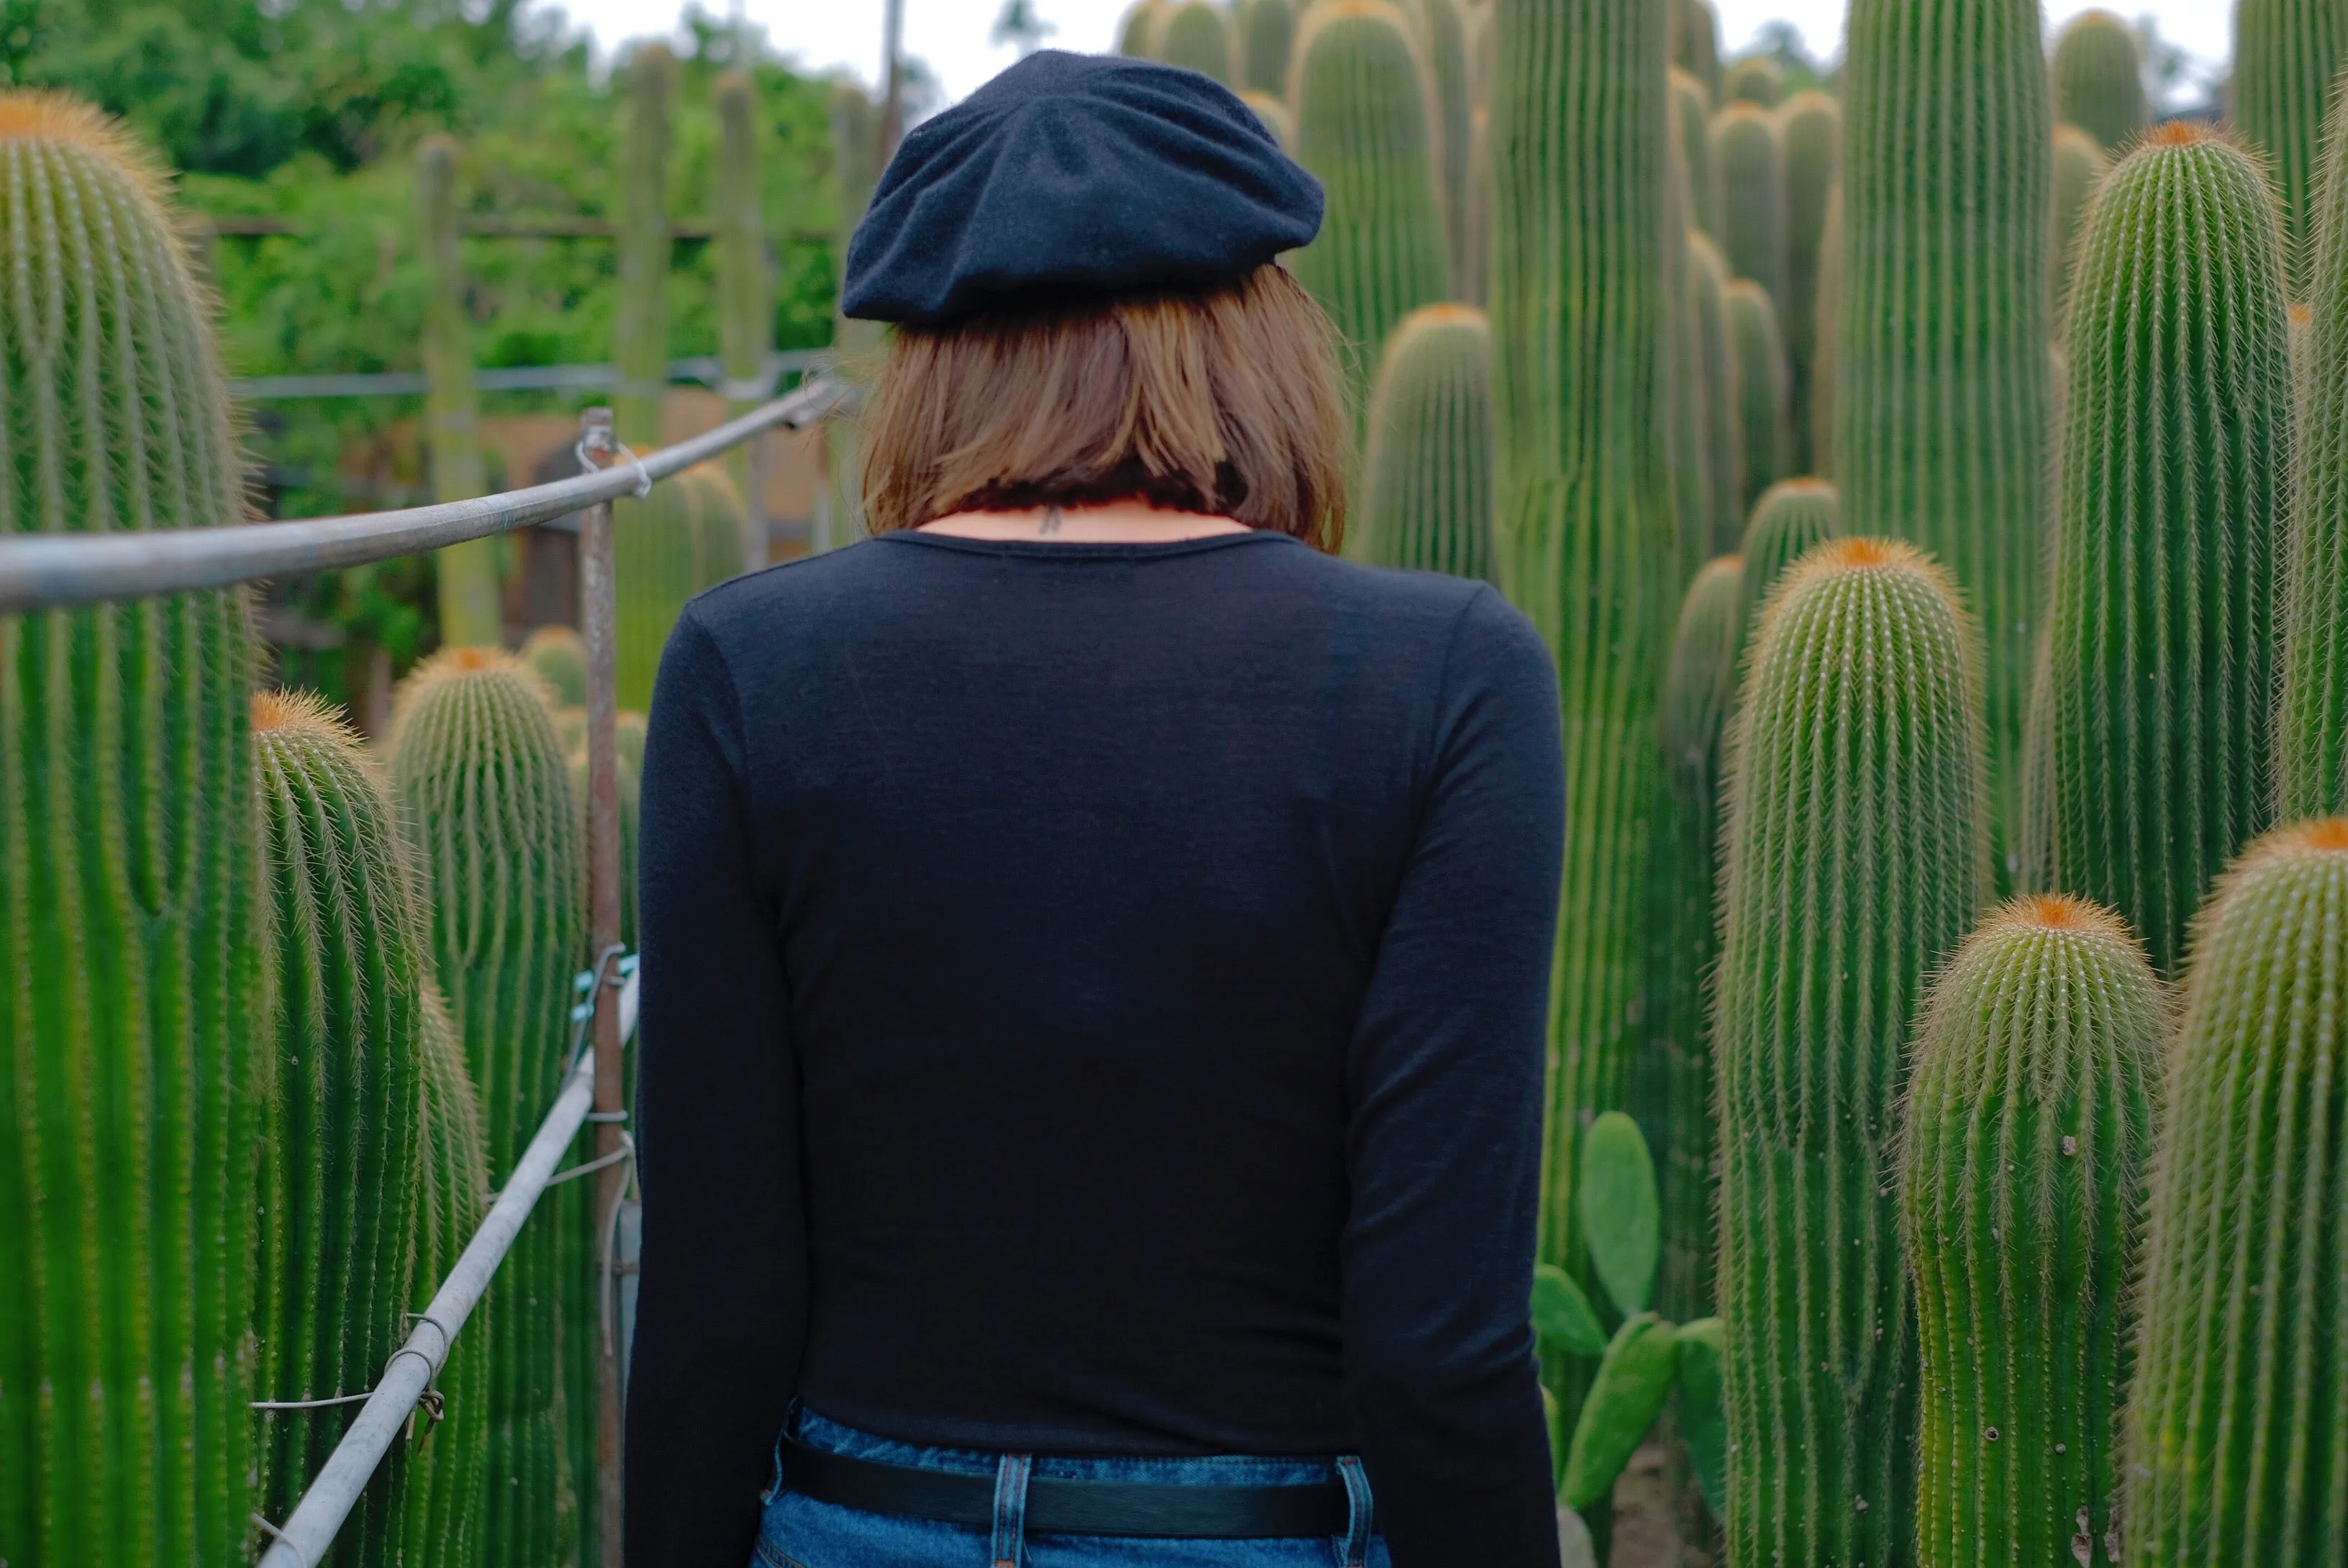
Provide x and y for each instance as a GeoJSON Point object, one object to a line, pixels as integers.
{"type": "Point", "coordinates": [1093, 1003]}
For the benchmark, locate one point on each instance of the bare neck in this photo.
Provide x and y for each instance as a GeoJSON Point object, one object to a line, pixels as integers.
{"type": "Point", "coordinates": [1121, 522]}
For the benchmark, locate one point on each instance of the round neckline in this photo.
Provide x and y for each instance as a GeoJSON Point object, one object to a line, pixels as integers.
{"type": "Point", "coordinates": [1066, 550]}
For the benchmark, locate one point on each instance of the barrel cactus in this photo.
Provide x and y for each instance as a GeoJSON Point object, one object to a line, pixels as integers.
{"type": "Point", "coordinates": [2169, 515]}
{"type": "Point", "coordinates": [1427, 482]}
{"type": "Point", "coordinates": [683, 538]}
{"type": "Point", "coordinates": [134, 1038]}
{"type": "Point", "coordinates": [1763, 392]}
{"type": "Point", "coordinates": [1756, 79]}
{"type": "Point", "coordinates": [1196, 36]}
{"type": "Point", "coordinates": [1581, 529]}
{"type": "Point", "coordinates": [631, 793]}
{"type": "Point", "coordinates": [1724, 422]}
{"type": "Point", "coordinates": [558, 656]}
{"type": "Point", "coordinates": [2022, 1177]}
{"type": "Point", "coordinates": [465, 575]}
{"type": "Point", "coordinates": [1811, 125]}
{"type": "Point", "coordinates": [1137, 30]}
{"type": "Point", "coordinates": [1693, 108]}
{"type": "Point", "coordinates": [1790, 517]}
{"type": "Point", "coordinates": [2079, 169]}
{"type": "Point", "coordinates": [1750, 163]}
{"type": "Point", "coordinates": [2288, 56]}
{"type": "Point", "coordinates": [1857, 858]}
{"type": "Point", "coordinates": [486, 799]}
{"type": "Point", "coordinates": [1267, 35]}
{"type": "Point", "coordinates": [2235, 1440]}
{"type": "Point", "coordinates": [1362, 125]}
{"type": "Point", "coordinates": [2099, 80]}
{"type": "Point", "coordinates": [641, 337]}
{"type": "Point", "coordinates": [1942, 412]}
{"type": "Point", "coordinates": [444, 1492]}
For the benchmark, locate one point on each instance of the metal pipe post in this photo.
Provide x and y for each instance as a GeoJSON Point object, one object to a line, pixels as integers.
{"type": "Point", "coordinates": [598, 621]}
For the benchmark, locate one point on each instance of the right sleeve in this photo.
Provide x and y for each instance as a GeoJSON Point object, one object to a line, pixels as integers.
{"type": "Point", "coordinates": [722, 1299]}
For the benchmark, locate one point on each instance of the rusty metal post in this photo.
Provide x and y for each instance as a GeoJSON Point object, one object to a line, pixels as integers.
{"type": "Point", "coordinates": [599, 623]}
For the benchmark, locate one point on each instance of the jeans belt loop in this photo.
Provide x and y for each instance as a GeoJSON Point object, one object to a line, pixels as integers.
{"type": "Point", "coordinates": [1357, 1510]}
{"type": "Point", "coordinates": [1011, 1511]}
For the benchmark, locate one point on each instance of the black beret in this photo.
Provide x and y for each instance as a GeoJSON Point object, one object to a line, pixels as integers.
{"type": "Point", "coordinates": [1088, 172]}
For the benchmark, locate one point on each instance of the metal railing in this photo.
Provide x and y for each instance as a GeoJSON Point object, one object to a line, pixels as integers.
{"type": "Point", "coordinates": [53, 571]}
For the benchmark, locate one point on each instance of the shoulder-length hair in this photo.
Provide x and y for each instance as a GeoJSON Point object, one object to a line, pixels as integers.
{"type": "Point", "coordinates": [1224, 401]}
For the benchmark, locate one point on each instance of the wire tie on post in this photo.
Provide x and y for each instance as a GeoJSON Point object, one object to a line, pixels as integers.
{"type": "Point", "coordinates": [619, 449]}
{"type": "Point", "coordinates": [614, 1158]}
{"type": "Point", "coordinates": [312, 1404]}
{"type": "Point", "coordinates": [447, 1339]}
{"type": "Point", "coordinates": [281, 1538]}
{"type": "Point", "coordinates": [607, 1115]}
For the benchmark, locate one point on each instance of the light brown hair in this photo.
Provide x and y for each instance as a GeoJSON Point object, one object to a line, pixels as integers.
{"type": "Point", "coordinates": [1224, 401]}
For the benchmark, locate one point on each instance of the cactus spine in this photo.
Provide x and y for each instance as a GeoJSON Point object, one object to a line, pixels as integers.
{"type": "Point", "coordinates": [486, 799]}
{"type": "Point", "coordinates": [339, 1219]}
{"type": "Point", "coordinates": [1755, 80]}
{"type": "Point", "coordinates": [1427, 486]}
{"type": "Point", "coordinates": [1362, 125]}
{"type": "Point", "coordinates": [2027, 1132]}
{"type": "Point", "coordinates": [1698, 686]}
{"type": "Point", "coordinates": [2288, 56]}
{"type": "Point", "coordinates": [1857, 857]}
{"type": "Point", "coordinates": [746, 324]}
{"type": "Point", "coordinates": [642, 345]}
{"type": "Point", "coordinates": [2099, 80]}
{"type": "Point", "coordinates": [2236, 1441]}
{"type": "Point", "coordinates": [1582, 537]}
{"type": "Point", "coordinates": [1694, 110]}
{"type": "Point", "coordinates": [2310, 738]}
{"type": "Point", "coordinates": [1750, 162]}
{"type": "Point", "coordinates": [1267, 35]}
{"type": "Point", "coordinates": [134, 1030]}
{"type": "Point", "coordinates": [444, 1474]}
{"type": "Point", "coordinates": [683, 538]}
{"type": "Point", "coordinates": [2173, 497]}
{"type": "Point", "coordinates": [2079, 168]}
{"type": "Point", "coordinates": [1790, 517]}
{"type": "Point", "coordinates": [1810, 126]}
{"type": "Point", "coordinates": [1763, 397]}
{"type": "Point", "coordinates": [467, 573]}
{"type": "Point", "coordinates": [1197, 36]}
{"type": "Point", "coordinates": [1723, 424]}
{"type": "Point", "coordinates": [1942, 410]}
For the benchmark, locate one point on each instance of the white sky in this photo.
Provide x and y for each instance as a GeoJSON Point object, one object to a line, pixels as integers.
{"type": "Point", "coordinates": [950, 34]}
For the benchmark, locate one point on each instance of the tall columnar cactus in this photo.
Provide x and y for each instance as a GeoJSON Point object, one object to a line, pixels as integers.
{"type": "Point", "coordinates": [1686, 392]}
{"type": "Point", "coordinates": [486, 799]}
{"type": "Point", "coordinates": [2173, 499]}
{"type": "Point", "coordinates": [1582, 537]}
{"type": "Point", "coordinates": [1942, 410]}
{"type": "Point", "coordinates": [1267, 36]}
{"type": "Point", "coordinates": [344, 1158]}
{"type": "Point", "coordinates": [745, 317]}
{"type": "Point", "coordinates": [1826, 359]}
{"type": "Point", "coordinates": [2236, 1441]}
{"type": "Point", "coordinates": [641, 348]}
{"type": "Point", "coordinates": [1427, 482]}
{"type": "Point", "coordinates": [1274, 116]}
{"type": "Point", "coordinates": [1789, 519]}
{"type": "Point", "coordinates": [1810, 126]}
{"type": "Point", "coordinates": [2022, 1176]}
{"type": "Point", "coordinates": [1698, 686]}
{"type": "Point", "coordinates": [1137, 32]}
{"type": "Point", "coordinates": [856, 169]}
{"type": "Point", "coordinates": [1764, 397]}
{"type": "Point", "coordinates": [2079, 169]}
{"type": "Point", "coordinates": [467, 573]}
{"type": "Point", "coordinates": [1723, 424]}
{"type": "Point", "coordinates": [135, 1040]}
{"type": "Point", "coordinates": [444, 1492]}
{"type": "Point", "coordinates": [1196, 36]}
{"type": "Point", "coordinates": [1443, 31]}
{"type": "Point", "coordinates": [1693, 107]}
{"type": "Point", "coordinates": [2310, 738]}
{"type": "Point", "coordinates": [683, 538]}
{"type": "Point", "coordinates": [1857, 858]}
{"type": "Point", "coordinates": [2099, 80]}
{"type": "Point", "coordinates": [1757, 80]}
{"type": "Point", "coordinates": [1696, 43]}
{"type": "Point", "coordinates": [1749, 161]}
{"type": "Point", "coordinates": [2288, 59]}
{"type": "Point", "coordinates": [1362, 125]}
{"type": "Point", "coordinates": [558, 656]}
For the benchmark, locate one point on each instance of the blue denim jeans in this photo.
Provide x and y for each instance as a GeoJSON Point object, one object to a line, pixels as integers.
{"type": "Point", "coordinates": [799, 1532]}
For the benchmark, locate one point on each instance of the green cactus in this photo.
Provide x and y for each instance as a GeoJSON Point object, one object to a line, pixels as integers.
{"type": "Point", "coordinates": [1943, 407]}
{"type": "Point", "coordinates": [486, 799]}
{"type": "Point", "coordinates": [2099, 80]}
{"type": "Point", "coordinates": [2079, 169]}
{"type": "Point", "coordinates": [1698, 686]}
{"type": "Point", "coordinates": [1857, 858]}
{"type": "Point", "coordinates": [1810, 127]}
{"type": "Point", "coordinates": [1443, 32]}
{"type": "Point", "coordinates": [1267, 36]}
{"type": "Point", "coordinates": [466, 574]}
{"type": "Point", "coordinates": [1790, 517]}
{"type": "Point", "coordinates": [1750, 164]}
{"type": "Point", "coordinates": [856, 169]}
{"type": "Point", "coordinates": [1764, 395]}
{"type": "Point", "coordinates": [1694, 109]}
{"type": "Point", "coordinates": [2022, 1190]}
{"type": "Point", "coordinates": [1196, 36]}
{"type": "Point", "coordinates": [2173, 497]}
{"type": "Point", "coordinates": [135, 1037]}
{"type": "Point", "coordinates": [746, 318]}
{"type": "Point", "coordinates": [1757, 81]}
{"type": "Point", "coordinates": [1427, 480]}
{"type": "Point", "coordinates": [558, 656]}
{"type": "Point", "coordinates": [343, 1157]}
{"type": "Point", "coordinates": [2288, 60]}
{"type": "Point", "coordinates": [683, 537]}
{"type": "Point", "coordinates": [1696, 43]}
{"type": "Point", "coordinates": [1362, 125]}
{"type": "Point", "coordinates": [1723, 424]}
{"type": "Point", "coordinates": [1137, 32]}
{"type": "Point", "coordinates": [641, 335]}
{"type": "Point", "coordinates": [2310, 740]}
{"type": "Point", "coordinates": [630, 794]}
{"type": "Point", "coordinates": [1687, 392]}
{"type": "Point", "coordinates": [1826, 359]}
{"type": "Point", "coordinates": [1274, 115]}
{"type": "Point", "coordinates": [2235, 1444]}
{"type": "Point", "coordinates": [1583, 526]}
{"type": "Point", "coordinates": [444, 1476]}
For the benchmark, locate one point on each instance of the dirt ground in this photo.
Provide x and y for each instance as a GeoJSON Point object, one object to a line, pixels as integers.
{"type": "Point", "coordinates": [1646, 1535]}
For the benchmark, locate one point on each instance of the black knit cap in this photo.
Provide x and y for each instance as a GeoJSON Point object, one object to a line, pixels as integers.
{"type": "Point", "coordinates": [1088, 173]}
